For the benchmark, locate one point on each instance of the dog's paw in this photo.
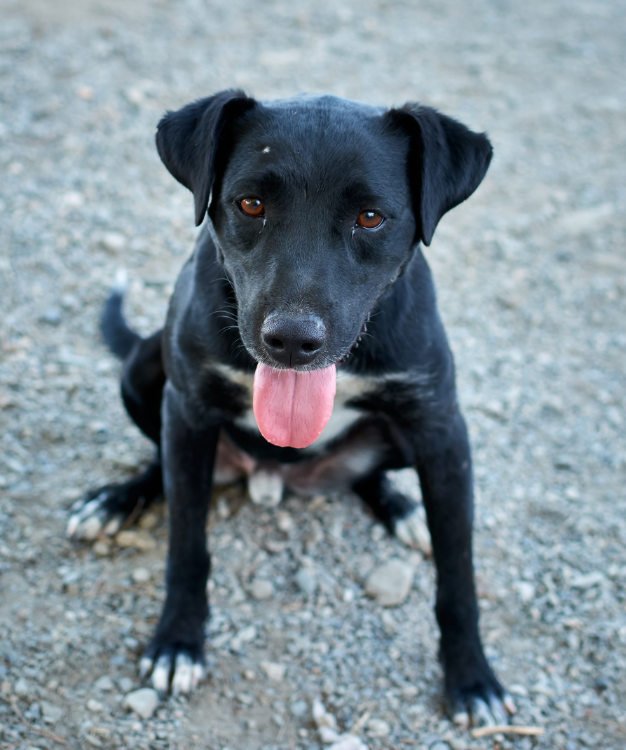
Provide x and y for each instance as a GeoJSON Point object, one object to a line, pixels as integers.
{"type": "Point", "coordinates": [480, 702]}
{"type": "Point", "coordinates": [413, 531]}
{"type": "Point", "coordinates": [99, 513]}
{"type": "Point", "coordinates": [173, 668]}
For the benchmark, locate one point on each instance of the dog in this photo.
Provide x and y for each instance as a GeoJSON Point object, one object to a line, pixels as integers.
{"type": "Point", "coordinates": [303, 348]}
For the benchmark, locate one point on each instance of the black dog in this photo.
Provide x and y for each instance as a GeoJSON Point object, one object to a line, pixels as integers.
{"type": "Point", "coordinates": [303, 348]}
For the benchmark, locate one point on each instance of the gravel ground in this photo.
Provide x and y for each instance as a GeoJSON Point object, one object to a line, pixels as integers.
{"type": "Point", "coordinates": [531, 277]}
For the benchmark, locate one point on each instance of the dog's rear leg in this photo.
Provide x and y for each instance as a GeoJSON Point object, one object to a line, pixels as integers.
{"type": "Point", "coordinates": [399, 514]}
{"type": "Point", "coordinates": [106, 509]}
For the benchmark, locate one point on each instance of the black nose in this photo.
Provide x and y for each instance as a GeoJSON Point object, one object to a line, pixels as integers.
{"type": "Point", "coordinates": [292, 340]}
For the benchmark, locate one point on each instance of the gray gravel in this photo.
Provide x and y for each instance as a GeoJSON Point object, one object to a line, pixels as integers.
{"type": "Point", "coordinates": [532, 283]}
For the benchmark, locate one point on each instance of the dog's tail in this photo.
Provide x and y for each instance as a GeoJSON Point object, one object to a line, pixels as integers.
{"type": "Point", "coordinates": [117, 334]}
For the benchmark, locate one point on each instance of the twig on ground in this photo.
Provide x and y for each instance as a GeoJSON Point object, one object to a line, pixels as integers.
{"type": "Point", "coordinates": [507, 729]}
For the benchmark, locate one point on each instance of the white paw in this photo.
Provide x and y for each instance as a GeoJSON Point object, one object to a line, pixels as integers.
{"type": "Point", "coordinates": [178, 672]}
{"type": "Point", "coordinates": [413, 532]}
{"type": "Point", "coordinates": [490, 711]}
{"type": "Point", "coordinates": [91, 518]}
{"type": "Point", "coordinates": [265, 488]}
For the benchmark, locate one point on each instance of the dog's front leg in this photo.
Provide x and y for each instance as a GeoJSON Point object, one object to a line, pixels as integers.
{"type": "Point", "coordinates": [445, 472]}
{"type": "Point", "coordinates": [175, 655]}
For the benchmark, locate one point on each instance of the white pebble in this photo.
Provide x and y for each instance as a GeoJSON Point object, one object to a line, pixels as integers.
{"type": "Point", "coordinates": [390, 583]}
{"type": "Point", "coordinates": [348, 742]}
{"type": "Point", "coordinates": [141, 575]}
{"type": "Point", "coordinates": [261, 589]}
{"type": "Point", "coordinates": [143, 702]}
{"type": "Point", "coordinates": [274, 671]}
{"type": "Point", "coordinates": [378, 728]}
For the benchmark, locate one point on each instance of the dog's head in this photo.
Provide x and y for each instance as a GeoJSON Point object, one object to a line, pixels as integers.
{"type": "Point", "coordinates": [316, 206]}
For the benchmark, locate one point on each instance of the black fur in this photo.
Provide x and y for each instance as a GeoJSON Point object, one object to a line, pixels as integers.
{"type": "Point", "coordinates": [117, 335]}
{"type": "Point", "coordinates": [315, 163]}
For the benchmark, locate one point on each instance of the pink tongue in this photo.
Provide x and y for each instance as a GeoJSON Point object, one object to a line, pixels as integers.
{"type": "Point", "coordinates": [292, 407]}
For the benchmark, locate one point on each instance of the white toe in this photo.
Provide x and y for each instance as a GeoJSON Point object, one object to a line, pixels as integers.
{"type": "Point", "coordinates": [161, 674]}
{"type": "Point", "coordinates": [481, 714]}
{"type": "Point", "coordinates": [182, 681]}
{"type": "Point", "coordinates": [72, 525]}
{"type": "Point", "coordinates": [498, 711]}
{"type": "Point", "coordinates": [413, 532]}
{"type": "Point", "coordinates": [197, 674]}
{"type": "Point", "coordinates": [145, 666]}
{"type": "Point", "coordinates": [509, 704]}
{"type": "Point", "coordinates": [90, 528]}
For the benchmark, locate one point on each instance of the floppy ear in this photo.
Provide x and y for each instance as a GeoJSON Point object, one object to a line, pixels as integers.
{"type": "Point", "coordinates": [188, 141]}
{"type": "Point", "coordinates": [450, 162]}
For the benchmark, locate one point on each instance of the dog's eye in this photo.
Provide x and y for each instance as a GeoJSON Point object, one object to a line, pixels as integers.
{"type": "Point", "coordinates": [369, 219]}
{"type": "Point", "coordinates": [252, 207]}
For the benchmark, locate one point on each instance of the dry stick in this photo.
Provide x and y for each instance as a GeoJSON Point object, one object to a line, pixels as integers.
{"type": "Point", "coordinates": [507, 729]}
{"type": "Point", "coordinates": [37, 730]}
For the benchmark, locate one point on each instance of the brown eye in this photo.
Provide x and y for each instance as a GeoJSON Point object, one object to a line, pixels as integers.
{"type": "Point", "coordinates": [252, 207]}
{"type": "Point", "coordinates": [369, 219]}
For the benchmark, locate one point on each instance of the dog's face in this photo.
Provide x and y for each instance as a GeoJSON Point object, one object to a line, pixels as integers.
{"type": "Point", "coordinates": [313, 216]}
{"type": "Point", "coordinates": [316, 206]}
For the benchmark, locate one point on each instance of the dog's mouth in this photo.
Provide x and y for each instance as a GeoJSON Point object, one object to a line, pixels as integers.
{"type": "Point", "coordinates": [292, 407]}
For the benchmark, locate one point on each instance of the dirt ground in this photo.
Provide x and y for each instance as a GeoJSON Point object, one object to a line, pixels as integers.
{"type": "Point", "coordinates": [531, 276]}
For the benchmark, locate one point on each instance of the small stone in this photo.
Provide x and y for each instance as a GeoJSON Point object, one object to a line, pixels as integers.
{"type": "Point", "coordinates": [102, 548]}
{"type": "Point", "coordinates": [261, 589]}
{"type": "Point", "coordinates": [274, 671]}
{"type": "Point", "coordinates": [377, 533]}
{"type": "Point", "coordinates": [284, 522]}
{"type": "Point", "coordinates": [143, 702]}
{"type": "Point", "coordinates": [243, 636]}
{"type": "Point", "coordinates": [21, 688]}
{"type": "Point", "coordinates": [223, 508]}
{"type": "Point", "coordinates": [104, 683]}
{"type": "Point", "coordinates": [141, 575]}
{"type": "Point", "coordinates": [137, 539]}
{"type": "Point", "coordinates": [148, 521]}
{"type": "Point", "coordinates": [299, 709]}
{"type": "Point", "coordinates": [125, 684]}
{"type": "Point", "coordinates": [378, 728]}
{"type": "Point", "coordinates": [348, 742]}
{"type": "Point", "coordinates": [114, 242]}
{"type": "Point", "coordinates": [328, 735]}
{"type": "Point", "coordinates": [51, 713]}
{"type": "Point", "coordinates": [525, 590]}
{"type": "Point", "coordinates": [85, 92]}
{"type": "Point", "coordinates": [72, 199]}
{"type": "Point", "coordinates": [94, 706]}
{"type": "Point", "coordinates": [390, 583]}
{"type": "Point", "coordinates": [587, 580]}
{"type": "Point", "coordinates": [52, 316]}
{"type": "Point", "coordinates": [135, 95]}
{"type": "Point", "coordinates": [306, 581]}
{"type": "Point", "coordinates": [321, 717]}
